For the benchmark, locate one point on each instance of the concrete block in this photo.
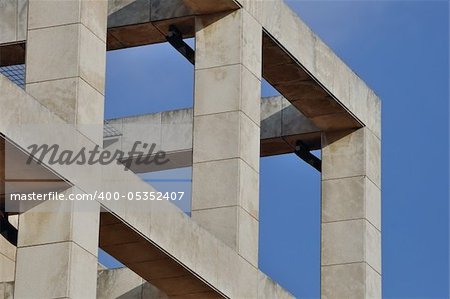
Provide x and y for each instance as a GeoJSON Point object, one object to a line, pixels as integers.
{"type": "Point", "coordinates": [221, 222]}
{"type": "Point", "coordinates": [216, 136]}
{"type": "Point", "coordinates": [351, 198]}
{"type": "Point", "coordinates": [8, 25]}
{"type": "Point", "coordinates": [344, 157]}
{"type": "Point", "coordinates": [248, 237]}
{"type": "Point", "coordinates": [343, 242]}
{"type": "Point", "coordinates": [225, 89]}
{"type": "Point", "coordinates": [92, 59]}
{"type": "Point", "coordinates": [59, 96]}
{"type": "Point", "coordinates": [343, 281]}
{"type": "Point", "coordinates": [72, 271]}
{"type": "Point", "coordinates": [62, 12]}
{"type": "Point", "coordinates": [217, 89]}
{"type": "Point", "coordinates": [61, 221]}
{"type": "Point", "coordinates": [216, 184]}
{"type": "Point", "coordinates": [57, 49]}
{"type": "Point", "coordinates": [93, 15]}
{"type": "Point", "coordinates": [343, 199]}
{"type": "Point", "coordinates": [216, 40]}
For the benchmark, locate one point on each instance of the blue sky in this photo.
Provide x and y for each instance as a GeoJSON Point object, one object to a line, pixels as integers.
{"type": "Point", "coordinates": [400, 48]}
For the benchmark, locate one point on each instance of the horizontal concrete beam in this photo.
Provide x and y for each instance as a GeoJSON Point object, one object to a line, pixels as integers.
{"type": "Point", "coordinates": [282, 125]}
{"type": "Point", "coordinates": [23, 119]}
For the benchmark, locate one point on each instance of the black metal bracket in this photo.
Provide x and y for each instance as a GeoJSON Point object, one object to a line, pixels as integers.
{"type": "Point", "coordinates": [302, 151]}
{"type": "Point", "coordinates": [7, 230]}
{"type": "Point", "coordinates": [175, 38]}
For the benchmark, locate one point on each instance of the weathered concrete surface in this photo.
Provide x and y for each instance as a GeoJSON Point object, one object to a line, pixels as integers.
{"type": "Point", "coordinates": [281, 126]}
{"type": "Point", "coordinates": [190, 245]}
{"type": "Point", "coordinates": [65, 72]}
{"type": "Point", "coordinates": [13, 27]}
{"type": "Point", "coordinates": [351, 215]}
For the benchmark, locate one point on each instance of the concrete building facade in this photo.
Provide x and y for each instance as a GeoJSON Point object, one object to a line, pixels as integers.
{"type": "Point", "coordinates": [49, 248]}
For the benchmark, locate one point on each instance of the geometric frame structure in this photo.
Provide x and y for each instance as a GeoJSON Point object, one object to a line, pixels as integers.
{"type": "Point", "coordinates": [214, 253]}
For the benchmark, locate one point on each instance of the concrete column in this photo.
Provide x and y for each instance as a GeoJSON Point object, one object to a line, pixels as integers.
{"type": "Point", "coordinates": [57, 250]}
{"type": "Point", "coordinates": [7, 250]}
{"type": "Point", "coordinates": [65, 71]}
{"type": "Point", "coordinates": [226, 135]}
{"type": "Point", "coordinates": [65, 63]}
{"type": "Point", "coordinates": [351, 215]}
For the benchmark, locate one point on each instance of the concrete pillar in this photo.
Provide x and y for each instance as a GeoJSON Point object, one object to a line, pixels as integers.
{"type": "Point", "coordinates": [57, 250]}
{"type": "Point", "coordinates": [65, 71]}
{"type": "Point", "coordinates": [351, 215]}
{"type": "Point", "coordinates": [66, 57]}
{"type": "Point", "coordinates": [226, 135]}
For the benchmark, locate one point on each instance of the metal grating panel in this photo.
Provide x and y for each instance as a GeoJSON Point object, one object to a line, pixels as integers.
{"type": "Point", "coordinates": [110, 131]}
{"type": "Point", "coordinates": [15, 73]}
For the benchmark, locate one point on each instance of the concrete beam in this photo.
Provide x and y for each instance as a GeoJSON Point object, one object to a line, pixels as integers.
{"type": "Point", "coordinates": [282, 125]}
{"type": "Point", "coordinates": [190, 245]}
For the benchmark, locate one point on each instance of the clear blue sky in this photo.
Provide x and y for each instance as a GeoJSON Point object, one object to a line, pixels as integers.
{"type": "Point", "coordinates": [400, 48]}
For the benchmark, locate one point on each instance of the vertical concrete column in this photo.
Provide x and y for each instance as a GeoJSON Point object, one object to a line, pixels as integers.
{"type": "Point", "coordinates": [226, 135]}
{"type": "Point", "coordinates": [7, 250]}
{"type": "Point", "coordinates": [351, 215]}
{"type": "Point", "coordinates": [57, 250]}
{"type": "Point", "coordinates": [65, 71]}
{"type": "Point", "coordinates": [65, 63]}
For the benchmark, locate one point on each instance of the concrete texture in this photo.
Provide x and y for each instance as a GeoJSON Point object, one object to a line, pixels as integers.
{"type": "Point", "coordinates": [214, 254]}
{"type": "Point", "coordinates": [187, 238]}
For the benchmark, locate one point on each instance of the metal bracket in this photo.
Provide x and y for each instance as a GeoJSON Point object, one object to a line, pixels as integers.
{"type": "Point", "coordinates": [7, 230]}
{"type": "Point", "coordinates": [302, 151]}
{"type": "Point", "coordinates": [175, 38]}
